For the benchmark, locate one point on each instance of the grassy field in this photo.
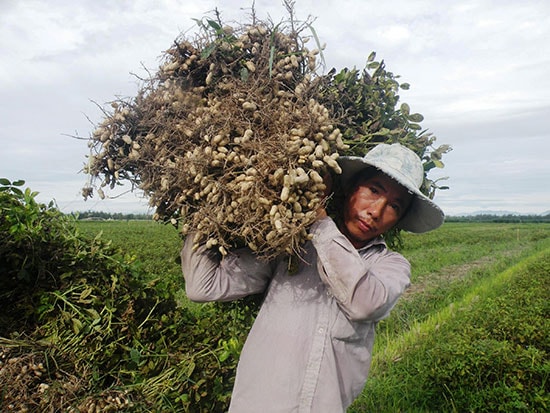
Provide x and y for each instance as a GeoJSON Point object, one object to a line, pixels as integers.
{"type": "Point", "coordinates": [155, 247]}
{"type": "Point", "coordinates": [446, 263]}
{"type": "Point", "coordinates": [461, 338]}
{"type": "Point", "coordinates": [446, 328]}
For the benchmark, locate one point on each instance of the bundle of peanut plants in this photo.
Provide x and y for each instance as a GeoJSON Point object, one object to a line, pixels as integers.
{"type": "Point", "coordinates": [231, 139]}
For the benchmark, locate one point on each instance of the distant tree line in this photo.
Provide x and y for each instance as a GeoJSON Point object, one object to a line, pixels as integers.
{"type": "Point", "coordinates": [101, 216]}
{"type": "Point", "coordinates": [512, 218]}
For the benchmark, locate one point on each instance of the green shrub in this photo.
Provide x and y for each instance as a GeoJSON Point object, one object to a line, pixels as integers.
{"type": "Point", "coordinates": [83, 328]}
{"type": "Point", "coordinates": [34, 243]}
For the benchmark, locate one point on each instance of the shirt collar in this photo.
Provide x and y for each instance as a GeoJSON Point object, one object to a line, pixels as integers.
{"type": "Point", "coordinates": [375, 241]}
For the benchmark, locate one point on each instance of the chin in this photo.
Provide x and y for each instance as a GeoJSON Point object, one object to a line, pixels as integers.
{"type": "Point", "coordinates": [359, 241]}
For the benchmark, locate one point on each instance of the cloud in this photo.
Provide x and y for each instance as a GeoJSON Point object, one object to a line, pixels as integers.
{"type": "Point", "coordinates": [477, 71]}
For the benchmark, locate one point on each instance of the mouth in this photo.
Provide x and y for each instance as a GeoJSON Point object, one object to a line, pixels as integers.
{"type": "Point", "coordinates": [364, 226]}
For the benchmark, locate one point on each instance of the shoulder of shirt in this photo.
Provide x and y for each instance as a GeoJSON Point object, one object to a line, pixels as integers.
{"type": "Point", "coordinates": [383, 252]}
{"type": "Point", "coordinates": [380, 243]}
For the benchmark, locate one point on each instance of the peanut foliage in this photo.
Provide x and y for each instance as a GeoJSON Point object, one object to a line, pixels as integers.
{"type": "Point", "coordinates": [83, 329]}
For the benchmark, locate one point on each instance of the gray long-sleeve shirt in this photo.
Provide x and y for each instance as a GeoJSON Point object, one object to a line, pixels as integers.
{"type": "Point", "coordinates": [309, 349]}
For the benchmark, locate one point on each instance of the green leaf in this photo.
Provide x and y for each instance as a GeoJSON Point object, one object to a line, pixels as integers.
{"type": "Point", "coordinates": [214, 25]}
{"type": "Point", "coordinates": [17, 191]}
{"type": "Point", "coordinates": [317, 41]}
{"type": "Point", "coordinates": [4, 181]}
{"type": "Point", "coordinates": [84, 294]}
{"type": "Point", "coordinates": [429, 165]}
{"type": "Point", "coordinates": [416, 117]}
{"type": "Point", "coordinates": [208, 50]}
{"type": "Point", "coordinates": [184, 398]}
{"type": "Point", "coordinates": [244, 74]}
{"type": "Point", "coordinates": [405, 108]}
{"type": "Point", "coordinates": [199, 22]}
{"type": "Point", "coordinates": [19, 182]}
{"type": "Point", "coordinates": [93, 313]}
{"type": "Point", "coordinates": [405, 86]}
{"type": "Point", "coordinates": [444, 148]}
{"type": "Point", "coordinates": [371, 57]}
{"type": "Point", "coordinates": [224, 355]}
{"type": "Point", "coordinates": [373, 65]}
{"type": "Point", "coordinates": [135, 355]}
{"type": "Point", "coordinates": [272, 49]}
{"type": "Point", "coordinates": [77, 325]}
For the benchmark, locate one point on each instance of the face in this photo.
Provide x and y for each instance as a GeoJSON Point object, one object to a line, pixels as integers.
{"type": "Point", "coordinates": [374, 207]}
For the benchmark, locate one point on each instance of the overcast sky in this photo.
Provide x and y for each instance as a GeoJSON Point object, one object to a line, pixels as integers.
{"type": "Point", "coordinates": [479, 72]}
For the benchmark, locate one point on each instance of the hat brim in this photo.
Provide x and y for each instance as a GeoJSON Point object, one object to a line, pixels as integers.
{"type": "Point", "coordinates": [423, 214]}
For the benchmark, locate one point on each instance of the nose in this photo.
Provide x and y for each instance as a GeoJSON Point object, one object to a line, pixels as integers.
{"type": "Point", "coordinates": [377, 207]}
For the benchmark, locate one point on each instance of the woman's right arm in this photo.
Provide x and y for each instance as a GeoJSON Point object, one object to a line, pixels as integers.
{"type": "Point", "coordinates": [209, 278]}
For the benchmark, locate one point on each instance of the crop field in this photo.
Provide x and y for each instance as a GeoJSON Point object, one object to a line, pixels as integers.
{"type": "Point", "coordinates": [154, 246]}
{"type": "Point", "coordinates": [471, 334]}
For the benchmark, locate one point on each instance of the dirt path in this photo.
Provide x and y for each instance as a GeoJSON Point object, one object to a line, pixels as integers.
{"type": "Point", "coordinates": [452, 273]}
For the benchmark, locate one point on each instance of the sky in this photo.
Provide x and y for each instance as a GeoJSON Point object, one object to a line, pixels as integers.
{"type": "Point", "coordinates": [478, 70]}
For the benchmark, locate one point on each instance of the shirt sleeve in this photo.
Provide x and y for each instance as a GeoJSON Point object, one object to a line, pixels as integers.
{"type": "Point", "coordinates": [366, 285]}
{"type": "Point", "coordinates": [211, 278]}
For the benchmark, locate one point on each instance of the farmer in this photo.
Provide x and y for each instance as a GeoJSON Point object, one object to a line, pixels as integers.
{"type": "Point", "coordinates": [309, 349]}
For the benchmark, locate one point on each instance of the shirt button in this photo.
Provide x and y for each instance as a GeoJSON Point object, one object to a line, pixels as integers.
{"type": "Point", "coordinates": [321, 330]}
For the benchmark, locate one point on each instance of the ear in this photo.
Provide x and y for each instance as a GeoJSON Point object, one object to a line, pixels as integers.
{"type": "Point", "coordinates": [327, 180]}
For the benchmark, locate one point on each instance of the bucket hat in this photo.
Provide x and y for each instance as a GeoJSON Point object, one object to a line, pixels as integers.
{"type": "Point", "coordinates": [405, 167]}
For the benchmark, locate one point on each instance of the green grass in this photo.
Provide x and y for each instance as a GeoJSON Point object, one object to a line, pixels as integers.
{"type": "Point", "coordinates": [429, 353]}
{"type": "Point", "coordinates": [463, 267]}
{"type": "Point", "coordinates": [155, 246]}
{"type": "Point", "coordinates": [448, 262]}
{"type": "Point", "coordinates": [486, 352]}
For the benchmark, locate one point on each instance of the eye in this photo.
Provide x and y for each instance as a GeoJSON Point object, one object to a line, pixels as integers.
{"type": "Point", "coordinates": [396, 207]}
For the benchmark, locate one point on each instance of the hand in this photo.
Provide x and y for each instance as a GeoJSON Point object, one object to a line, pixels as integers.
{"type": "Point", "coordinates": [321, 213]}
